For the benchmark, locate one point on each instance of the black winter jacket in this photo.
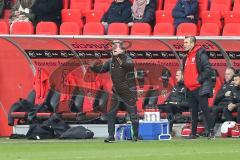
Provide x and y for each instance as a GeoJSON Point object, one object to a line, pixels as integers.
{"type": "Point", "coordinates": [178, 95]}
{"type": "Point", "coordinates": [204, 70]}
{"type": "Point", "coordinates": [236, 96]}
{"type": "Point", "coordinates": [118, 12]}
{"type": "Point", "coordinates": [123, 78]}
{"type": "Point", "coordinates": [48, 10]}
{"type": "Point", "coordinates": [220, 97]}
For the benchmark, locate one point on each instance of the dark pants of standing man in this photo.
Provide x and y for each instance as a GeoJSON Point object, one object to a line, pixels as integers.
{"type": "Point", "coordinates": [132, 110]}
{"type": "Point", "coordinates": [196, 101]}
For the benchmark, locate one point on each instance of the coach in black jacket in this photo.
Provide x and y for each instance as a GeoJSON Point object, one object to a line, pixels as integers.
{"type": "Point", "coordinates": [121, 69]}
{"type": "Point", "coordinates": [176, 101]}
{"type": "Point", "coordinates": [197, 79]}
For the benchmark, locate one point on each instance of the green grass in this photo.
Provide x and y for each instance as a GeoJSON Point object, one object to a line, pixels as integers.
{"type": "Point", "coordinates": [175, 149]}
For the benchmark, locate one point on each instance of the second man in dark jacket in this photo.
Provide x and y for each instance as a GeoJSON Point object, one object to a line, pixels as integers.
{"type": "Point", "coordinates": [176, 101]}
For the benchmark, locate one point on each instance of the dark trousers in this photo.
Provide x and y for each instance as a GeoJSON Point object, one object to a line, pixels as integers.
{"type": "Point", "coordinates": [228, 114]}
{"type": "Point", "coordinates": [215, 112]}
{"type": "Point", "coordinates": [196, 101]}
{"type": "Point", "coordinates": [172, 109]}
{"type": "Point", "coordinates": [111, 115]}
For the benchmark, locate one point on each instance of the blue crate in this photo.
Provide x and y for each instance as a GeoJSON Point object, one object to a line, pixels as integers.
{"type": "Point", "coordinates": [158, 130]}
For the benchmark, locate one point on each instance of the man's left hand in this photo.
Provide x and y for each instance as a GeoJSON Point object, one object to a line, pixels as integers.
{"type": "Point", "coordinates": [190, 17]}
{"type": "Point", "coordinates": [231, 106]}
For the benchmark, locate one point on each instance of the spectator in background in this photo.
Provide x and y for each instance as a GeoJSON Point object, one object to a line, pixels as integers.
{"type": "Point", "coordinates": [143, 11]}
{"type": "Point", "coordinates": [223, 97]}
{"type": "Point", "coordinates": [119, 11]}
{"type": "Point", "coordinates": [1, 7]}
{"type": "Point", "coordinates": [21, 12]}
{"type": "Point", "coordinates": [48, 10]}
{"type": "Point", "coordinates": [176, 101]}
{"type": "Point", "coordinates": [185, 11]}
{"type": "Point", "coordinates": [234, 105]}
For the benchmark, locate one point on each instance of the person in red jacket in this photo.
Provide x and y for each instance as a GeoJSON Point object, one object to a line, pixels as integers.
{"type": "Point", "coordinates": [197, 79]}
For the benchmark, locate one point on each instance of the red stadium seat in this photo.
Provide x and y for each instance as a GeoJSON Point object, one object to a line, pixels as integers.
{"type": "Point", "coordinates": [231, 17]}
{"type": "Point", "coordinates": [163, 16]}
{"type": "Point", "coordinates": [19, 115]}
{"type": "Point", "coordinates": [203, 6]}
{"type": "Point", "coordinates": [212, 17]}
{"type": "Point", "coordinates": [163, 29]}
{"type": "Point", "coordinates": [4, 27]}
{"type": "Point", "coordinates": [22, 28]}
{"type": "Point", "coordinates": [94, 15]}
{"type": "Point", "coordinates": [48, 28]}
{"type": "Point", "coordinates": [159, 4]}
{"type": "Point", "coordinates": [231, 29]}
{"type": "Point", "coordinates": [118, 29]}
{"type": "Point", "coordinates": [187, 29]}
{"type": "Point", "coordinates": [103, 1]}
{"type": "Point", "coordinates": [141, 29]}
{"type": "Point", "coordinates": [82, 5]}
{"type": "Point", "coordinates": [6, 13]}
{"type": "Point", "coordinates": [209, 29]}
{"type": "Point", "coordinates": [221, 5]}
{"type": "Point", "coordinates": [70, 28]}
{"type": "Point", "coordinates": [65, 4]}
{"type": "Point", "coordinates": [72, 15]}
{"type": "Point", "coordinates": [169, 5]}
{"type": "Point", "coordinates": [102, 4]}
{"type": "Point", "coordinates": [236, 6]}
{"type": "Point", "coordinates": [93, 28]}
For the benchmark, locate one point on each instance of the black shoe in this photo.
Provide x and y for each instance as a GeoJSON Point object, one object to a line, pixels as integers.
{"type": "Point", "coordinates": [211, 136]}
{"type": "Point", "coordinates": [109, 139]}
{"type": "Point", "coordinates": [191, 137]}
{"type": "Point", "coordinates": [135, 139]}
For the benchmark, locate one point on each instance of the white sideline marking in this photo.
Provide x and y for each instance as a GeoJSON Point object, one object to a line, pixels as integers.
{"type": "Point", "coordinates": [26, 141]}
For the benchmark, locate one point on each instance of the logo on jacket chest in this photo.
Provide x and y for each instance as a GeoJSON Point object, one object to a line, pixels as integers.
{"type": "Point", "coordinates": [193, 60]}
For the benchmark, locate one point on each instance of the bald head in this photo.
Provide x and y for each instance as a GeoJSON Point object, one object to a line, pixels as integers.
{"type": "Point", "coordinates": [229, 73]}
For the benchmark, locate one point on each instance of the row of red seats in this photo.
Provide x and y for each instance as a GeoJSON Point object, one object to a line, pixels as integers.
{"type": "Point", "coordinates": [84, 6]}
{"type": "Point", "coordinates": [162, 16]}
{"type": "Point", "coordinates": [96, 28]}
{"type": "Point", "coordinates": [167, 5]}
